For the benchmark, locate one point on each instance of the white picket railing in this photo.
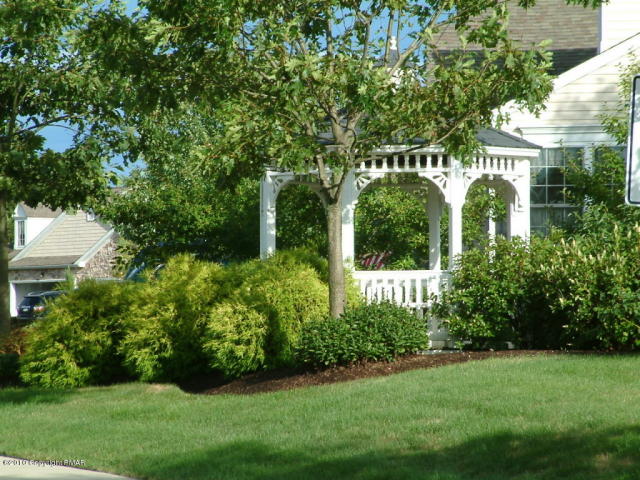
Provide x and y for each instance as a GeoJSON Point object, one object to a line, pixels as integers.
{"type": "Point", "coordinates": [494, 164]}
{"type": "Point", "coordinates": [409, 288]}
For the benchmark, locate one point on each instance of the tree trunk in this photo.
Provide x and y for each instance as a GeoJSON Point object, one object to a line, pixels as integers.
{"type": "Point", "coordinates": [5, 314]}
{"type": "Point", "coordinates": [337, 297]}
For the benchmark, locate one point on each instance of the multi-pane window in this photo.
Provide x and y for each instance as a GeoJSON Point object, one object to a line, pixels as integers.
{"type": "Point", "coordinates": [549, 202]}
{"type": "Point", "coordinates": [21, 233]}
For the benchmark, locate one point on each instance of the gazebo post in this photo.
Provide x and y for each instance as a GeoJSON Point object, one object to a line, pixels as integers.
{"type": "Point", "coordinates": [490, 224]}
{"type": "Point", "coordinates": [457, 195]}
{"type": "Point", "coordinates": [268, 195]}
{"type": "Point", "coordinates": [434, 211]}
{"type": "Point", "coordinates": [518, 212]}
{"type": "Point", "coordinates": [349, 200]}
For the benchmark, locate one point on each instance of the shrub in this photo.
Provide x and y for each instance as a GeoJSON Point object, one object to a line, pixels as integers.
{"type": "Point", "coordinates": [498, 295]}
{"type": "Point", "coordinates": [235, 338]}
{"type": "Point", "coordinates": [594, 282]}
{"type": "Point", "coordinates": [552, 293]}
{"type": "Point", "coordinates": [11, 347]}
{"type": "Point", "coordinates": [378, 331]}
{"type": "Point", "coordinates": [288, 295]}
{"type": "Point", "coordinates": [76, 342]}
{"type": "Point", "coordinates": [168, 320]}
{"type": "Point", "coordinates": [14, 342]}
{"type": "Point", "coordinates": [304, 256]}
{"type": "Point", "coordinates": [9, 369]}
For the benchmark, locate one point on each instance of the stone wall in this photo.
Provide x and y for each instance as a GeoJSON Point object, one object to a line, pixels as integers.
{"type": "Point", "coordinates": [36, 274]}
{"type": "Point", "coordinates": [101, 265]}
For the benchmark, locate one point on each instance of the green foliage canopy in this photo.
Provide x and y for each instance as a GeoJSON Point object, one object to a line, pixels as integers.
{"type": "Point", "coordinates": [50, 78]}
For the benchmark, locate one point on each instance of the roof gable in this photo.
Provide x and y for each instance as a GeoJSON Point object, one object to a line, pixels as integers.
{"type": "Point", "coordinates": [70, 238]}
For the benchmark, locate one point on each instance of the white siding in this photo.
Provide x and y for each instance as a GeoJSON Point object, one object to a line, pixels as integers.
{"type": "Point", "coordinates": [35, 226]}
{"type": "Point", "coordinates": [580, 97]}
{"type": "Point", "coordinates": [619, 20]}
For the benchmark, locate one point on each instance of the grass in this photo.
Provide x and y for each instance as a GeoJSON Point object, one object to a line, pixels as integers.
{"type": "Point", "coordinates": [570, 417]}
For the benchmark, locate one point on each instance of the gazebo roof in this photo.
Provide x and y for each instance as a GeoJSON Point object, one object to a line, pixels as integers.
{"type": "Point", "coordinates": [489, 137]}
{"type": "Point", "coordinates": [493, 137]}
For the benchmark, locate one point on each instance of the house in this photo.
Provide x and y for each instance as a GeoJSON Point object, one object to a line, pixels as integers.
{"type": "Point", "coordinates": [49, 243]}
{"type": "Point", "coordinates": [589, 47]}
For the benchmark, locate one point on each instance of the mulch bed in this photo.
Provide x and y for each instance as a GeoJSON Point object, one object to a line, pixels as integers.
{"type": "Point", "coordinates": [288, 379]}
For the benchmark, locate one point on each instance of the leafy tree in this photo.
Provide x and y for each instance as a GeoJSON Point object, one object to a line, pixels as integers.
{"type": "Point", "coordinates": [289, 78]}
{"type": "Point", "coordinates": [47, 79]}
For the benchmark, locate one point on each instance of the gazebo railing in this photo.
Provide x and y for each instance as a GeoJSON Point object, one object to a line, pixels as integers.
{"type": "Point", "coordinates": [494, 164]}
{"type": "Point", "coordinates": [409, 288]}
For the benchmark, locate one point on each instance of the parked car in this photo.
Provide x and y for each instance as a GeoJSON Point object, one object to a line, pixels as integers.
{"type": "Point", "coordinates": [34, 304]}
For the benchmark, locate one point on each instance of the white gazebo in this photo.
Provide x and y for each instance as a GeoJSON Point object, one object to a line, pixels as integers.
{"type": "Point", "coordinates": [503, 166]}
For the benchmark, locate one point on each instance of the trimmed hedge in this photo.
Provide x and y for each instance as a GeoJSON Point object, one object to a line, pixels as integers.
{"type": "Point", "coordinates": [378, 331]}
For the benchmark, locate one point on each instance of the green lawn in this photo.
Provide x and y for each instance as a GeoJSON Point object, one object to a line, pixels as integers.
{"type": "Point", "coordinates": [570, 417]}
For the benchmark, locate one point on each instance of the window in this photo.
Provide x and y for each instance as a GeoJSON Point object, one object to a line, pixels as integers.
{"type": "Point", "coordinates": [549, 205]}
{"type": "Point", "coordinates": [21, 233]}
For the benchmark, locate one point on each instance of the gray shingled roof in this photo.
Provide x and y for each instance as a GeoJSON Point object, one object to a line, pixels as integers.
{"type": "Point", "coordinates": [40, 211]}
{"type": "Point", "coordinates": [573, 31]}
{"type": "Point", "coordinates": [567, 26]}
{"type": "Point", "coordinates": [489, 137]}
{"type": "Point", "coordinates": [40, 262]}
{"type": "Point", "coordinates": [493, 137]}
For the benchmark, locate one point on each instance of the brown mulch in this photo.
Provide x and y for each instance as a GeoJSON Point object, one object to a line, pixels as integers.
{"type": "Point", "coordinates": [287, 379]}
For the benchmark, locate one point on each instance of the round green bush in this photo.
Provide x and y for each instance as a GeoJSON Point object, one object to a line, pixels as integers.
{"type": "Point", "coordinates": [234, 339]}
{"type": "Point", "coordinates": [378, 331]}
{"type": "Point", "coordinates": [288, 295]}
{"type": "Point", "coordinates": [168, 320]}
{"type": "Point", "coordinates": [77, 342]}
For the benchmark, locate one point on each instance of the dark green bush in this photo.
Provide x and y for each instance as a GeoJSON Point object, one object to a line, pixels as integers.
{"type": "Point", "coordinates": [9, 369]}
{"type": "Point", "coordinates": [77, 342]}
{"type": "Point", "coordinates": [378, 331]}
{"type": "Point", "coordinates": [235, 339]}
{"type": "Point", "coordinates": [551, 293]}
{"type": "Point", "coordinates": [14, 341]}
{"type": "Point", "coordinates": [594, 282]}
{"type": "Point", "coordinates": [498, 295]}
{"type": "Point", "coordinates": [168, 320]}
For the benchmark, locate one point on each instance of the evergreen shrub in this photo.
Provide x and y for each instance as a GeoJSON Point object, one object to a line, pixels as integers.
{"type": "Point", "coordinates": [77, 342]}
{"type": "Point", "coordinates": [11, 347]}
{"type": "Point", "coordinates": [378, 331]}
{"type": "Point", "coordinates": [582, 292]}
{"type": "Point", "coordinates": [168, 320]}
{"type": "Point", "coordinates": [234, 339]}
{"type": "Point", "coordinates": [593, 281]}
{"type": "Point", "coordinates": [9, 369]}
{"type": "Point", "coordinates": [289, 295]}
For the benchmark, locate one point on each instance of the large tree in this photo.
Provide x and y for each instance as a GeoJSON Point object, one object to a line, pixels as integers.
{"type": "Point", "coordinates": [289, 77]}
{"type": "Point", "coordinates": [48, 80]}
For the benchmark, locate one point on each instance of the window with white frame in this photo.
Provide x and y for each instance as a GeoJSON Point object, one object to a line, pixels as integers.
{"type": "Point", "coordinates": [549, 203]}
{"type": "Point", "coordinates": [21, 233]}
